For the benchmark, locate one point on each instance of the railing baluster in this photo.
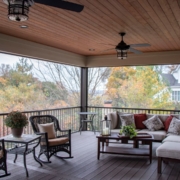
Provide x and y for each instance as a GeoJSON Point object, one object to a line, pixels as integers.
{"type": "Point", "coordinates": [69, 118]}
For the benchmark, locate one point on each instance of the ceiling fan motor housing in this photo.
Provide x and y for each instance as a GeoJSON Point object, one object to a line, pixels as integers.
{"type": "Point", "coordinates": [122, 46]}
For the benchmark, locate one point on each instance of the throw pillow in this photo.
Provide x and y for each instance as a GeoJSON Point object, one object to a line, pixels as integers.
{"type": "Point", "coordinates": [127, 119]}
{"type": "Point", "coordinates": [167, 122]}
{"type": "Point", "coordinates": [153, 123]}
{"type": "Point", "coordinates": [174, 126]}
{"type": "Point", "coordinates": [139, 118]}
{"type": "Point", "coordinates": [113, 117]}
{"type": "Point", "coordinates": [119, 124]}
{"type": "Point", "coordinates": [49, 128]}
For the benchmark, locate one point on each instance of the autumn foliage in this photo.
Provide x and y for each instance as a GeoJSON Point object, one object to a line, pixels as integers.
{"type": "Point", "coordinates": [138, 87]}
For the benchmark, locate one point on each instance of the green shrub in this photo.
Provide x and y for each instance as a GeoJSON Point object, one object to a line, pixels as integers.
{"type": "Point", "coordinates": [128, 131]}
{"type": "Point", "coordinates": [16, 119]}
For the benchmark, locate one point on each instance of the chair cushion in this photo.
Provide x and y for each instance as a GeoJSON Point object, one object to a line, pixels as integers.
{"type": "Point", "coordinates": [174, 126]}
{"type": "Point", "coordinates": [153, 123]}
{"type": "Point", "coordinates": [113, 117]}
{"type": "Point", "coordinates": [49, 128]}
{"type": "Point", "coordinates": [172, 138]}
{"type": "Point", "coordinates": [169, 150]}
{"type": "Point", "coordinates": [158, 135]}
{"type": "Point", "coordinates": [139, 118]}
{"type": "Point", "coordinates": [58, 141]}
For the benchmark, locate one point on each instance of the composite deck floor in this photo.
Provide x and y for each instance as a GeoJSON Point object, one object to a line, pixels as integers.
{"type": "Point", "coordinates": [85, 166]}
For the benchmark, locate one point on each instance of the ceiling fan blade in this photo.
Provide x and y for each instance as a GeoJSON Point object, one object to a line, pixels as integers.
{"type": "Point", "coordinates": [62, 4]}
{"type": "Point", "coordinates": [140, 45]}
{"type": "Point", "coordinates": [135, 51]}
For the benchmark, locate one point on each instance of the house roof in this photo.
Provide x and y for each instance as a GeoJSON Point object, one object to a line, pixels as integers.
{"type": "Point", "coordinates": [170, 79]}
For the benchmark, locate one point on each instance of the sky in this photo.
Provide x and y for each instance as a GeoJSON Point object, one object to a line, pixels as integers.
{"type": "Point", "coordinates": [8, 59]}
{"type": "Point", "coordinates": [12, 60]}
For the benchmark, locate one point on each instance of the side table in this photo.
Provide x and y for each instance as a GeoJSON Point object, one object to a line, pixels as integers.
{"type": "Point", "coordinates": [22, 146]}
{"type": "Point", "coordinates": [84, 119]}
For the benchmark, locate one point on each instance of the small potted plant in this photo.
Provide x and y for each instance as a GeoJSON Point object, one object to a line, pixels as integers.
{"type": "Point", "coordinates": [128, 131]}
{"type": "Point", "coordinates": [16, 120]}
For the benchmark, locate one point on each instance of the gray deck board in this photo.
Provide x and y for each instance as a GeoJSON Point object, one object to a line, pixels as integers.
{"type": "Point", "coordinates": [85, 166]}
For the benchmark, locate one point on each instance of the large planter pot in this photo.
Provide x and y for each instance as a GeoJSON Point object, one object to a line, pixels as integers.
{"type": "Point", "coordinates": [17, 132]}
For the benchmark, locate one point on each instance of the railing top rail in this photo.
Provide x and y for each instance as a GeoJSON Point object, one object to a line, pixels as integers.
{"type": "Point", "coordinates": [100, 107]}
{"type": "Point", "coordinates": [35, 111]}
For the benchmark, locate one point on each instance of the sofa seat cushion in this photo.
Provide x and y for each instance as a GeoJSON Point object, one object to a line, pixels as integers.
{"type": "Point", "coordinates": [169, 150]}
{"type": "Point", "coordinates": [172, 138]}
{"type": "Point", "coordinates": [158, 135]}
{"type": "Point", "coordinates": [57, 141]}
{"type": "Point", "coordinates": [171, 134]}
{"type": "Point", "coordinates": [115, 131]}
{"type": "Point", "coordinates": [118, 130]}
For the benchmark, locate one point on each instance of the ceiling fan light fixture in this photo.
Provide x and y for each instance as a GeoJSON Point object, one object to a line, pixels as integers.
{"type": "Point", "coordinates": [18, 9]}
{"type": "Point", "coordinates": [121, 54]}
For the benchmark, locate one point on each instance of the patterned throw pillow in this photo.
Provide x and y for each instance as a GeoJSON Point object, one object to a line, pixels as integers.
{"type": "Point", "coordinates": [119, 125]}
{"type": "Point", "coordinates": [153, 123]}
{"type": "Point", "coordinates": [174, 126]}
{"type": "Point", "coordinates": [127, 120]}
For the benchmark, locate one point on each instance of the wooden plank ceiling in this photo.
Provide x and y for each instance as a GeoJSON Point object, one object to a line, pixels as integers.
{"type": "Point", "coordinates": [97, 27]}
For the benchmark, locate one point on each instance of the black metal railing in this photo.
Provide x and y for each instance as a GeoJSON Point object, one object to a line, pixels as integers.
{"type": "Point", "coordinates": [70, 119]}
{"type": "Point", "coordinates": [102, 111]}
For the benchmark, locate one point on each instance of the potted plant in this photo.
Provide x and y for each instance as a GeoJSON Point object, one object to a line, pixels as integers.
{"type": "Point", "coordinates": [16, 120]}
{"type": "Point", "coordinates": [128, 131]}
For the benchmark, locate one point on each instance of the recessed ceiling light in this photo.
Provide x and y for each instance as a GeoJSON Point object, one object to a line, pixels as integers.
{"type": "Point", "coordinates": [91, 49]}
{"type": "Point", "coordinates": [23, 26]}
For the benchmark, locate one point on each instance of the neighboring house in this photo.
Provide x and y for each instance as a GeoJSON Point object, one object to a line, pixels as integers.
{"type": "Point", "coordinates": [173, 81]}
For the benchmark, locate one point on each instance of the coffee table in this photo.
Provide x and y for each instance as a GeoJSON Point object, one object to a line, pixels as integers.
{"type": "Point", "coordinates": [145, 138]}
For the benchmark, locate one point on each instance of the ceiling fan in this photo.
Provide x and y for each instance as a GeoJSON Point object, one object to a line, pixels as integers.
{"type": "Point", "coordinates": [122, 47]}
{"type": "Point", "coordinates": [62, 4]}
{"type": "Point", "coordinates": [18, 9]}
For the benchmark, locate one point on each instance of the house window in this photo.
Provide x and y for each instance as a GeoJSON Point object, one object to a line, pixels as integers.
{"type": "Point", "coordinates": [176, 95]}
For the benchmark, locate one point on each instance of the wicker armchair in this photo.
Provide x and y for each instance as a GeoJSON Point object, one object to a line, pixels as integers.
{"type": "Point", "coordinates": [51, 145]}
{"type": "Point", "coordinates": [3, 156]}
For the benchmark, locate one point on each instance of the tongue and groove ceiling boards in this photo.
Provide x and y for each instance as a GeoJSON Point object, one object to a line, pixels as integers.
{"type": "Point", "coordinates": [96, 28]}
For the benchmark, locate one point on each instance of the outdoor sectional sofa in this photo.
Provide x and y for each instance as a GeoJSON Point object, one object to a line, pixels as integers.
{"type": "Point", "coordinates": [159, 134]}
{"type": "Point", "coordinates": [164, 128]}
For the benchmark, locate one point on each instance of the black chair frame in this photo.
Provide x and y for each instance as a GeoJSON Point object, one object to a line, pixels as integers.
{"type": "Point", "coordinates": [3, 164]}
{"type": "Point", "coordinates": [45, 148]}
